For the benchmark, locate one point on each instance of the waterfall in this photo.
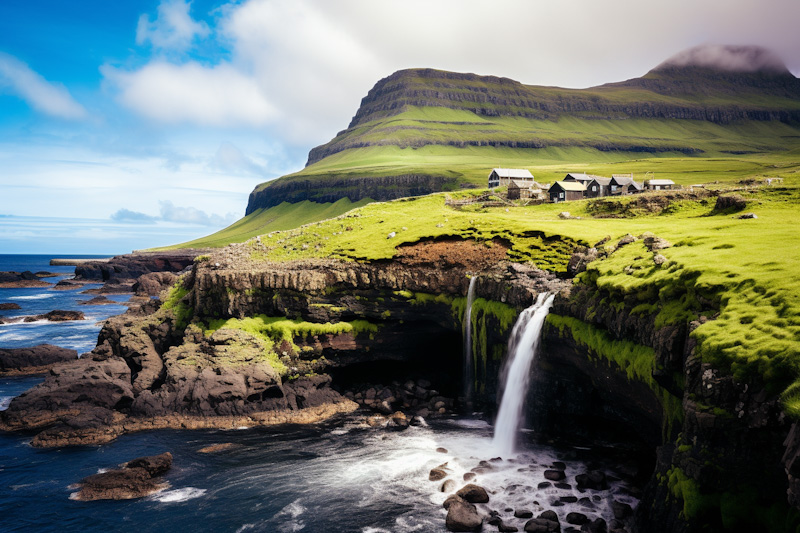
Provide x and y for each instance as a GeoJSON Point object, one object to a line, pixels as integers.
{"type": "Point", "coordinates": [515, 376]}
{"type": "Point", "coordinates": [468, 375]}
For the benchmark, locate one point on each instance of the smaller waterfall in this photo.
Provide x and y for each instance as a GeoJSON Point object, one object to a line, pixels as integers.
{"type": "Point", "coordinates": [522, 348]}
{"type": "Point", "coordinates": [468, 375]}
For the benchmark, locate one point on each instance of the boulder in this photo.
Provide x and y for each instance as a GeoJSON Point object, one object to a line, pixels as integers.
{"type": "Point", "coordinates": [621, 510]}
{"type": "Point", "coordinates": [577, 519]}
{"type": "Point", "coordinates": [135, 479]}
{"type": "Point", "coordinates": [463, 516]}
{"type": "Point", "coordinates": [37, 356]}
{"type": "Point", "coordinates": [448, 486]}
{"type": "Point", "coordinates": [523, 513]}
{"type": "Point", "coordinates": [593, 479]}
{"type": "Point", "coordinates": [598, 525]}
{"type": "Point", "coordinates": [9, 306]}
{"type": "Point", "coordinates": [554, 475]}
{"type": "Point", "coordinates": [473, 494]}
{"type": "Point", "coordinates": [437, 474]}
{"type": "Point", "coordinates": [152, 283]}
{"type": "Point", "coordinates": [542, 525]}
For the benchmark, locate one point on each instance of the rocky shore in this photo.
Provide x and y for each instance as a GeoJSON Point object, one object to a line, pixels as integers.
{"type": "Point", "coordinates": [34, 360]}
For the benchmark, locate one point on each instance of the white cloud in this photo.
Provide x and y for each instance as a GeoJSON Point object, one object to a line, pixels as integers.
{"type": "Point", "coordinates": [51, 99]}
{"type": "Point", "coordinates": [192, 215]}
{"type": "Point", "coordinates": [229, 158]}
{"type": "Point", "coordinates": [210, 96]}
{"type": "Point", "coordinates": [300, 67]}
{"type": "Point", "coordinates": [173, 28]}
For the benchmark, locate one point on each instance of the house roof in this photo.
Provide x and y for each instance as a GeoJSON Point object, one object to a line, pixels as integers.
{"type": "Point", "coordinates": [522, 184]}
{"type": "Point", "coordinates": [601, 180]}
{"type": "Point", "coordinates": [513, 173]}
{"type": "Point", "coordinates": [622, 180]}
{"type": "Point", "coordinates": [582, 176]}
{"type": "Point", "coordinates": [661, 182]}
{"type": "Point", "coordinates": [570, 186]}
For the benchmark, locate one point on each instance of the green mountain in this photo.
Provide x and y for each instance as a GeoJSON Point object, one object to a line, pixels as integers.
{"type": "Point", "coordinates": [695, 118]}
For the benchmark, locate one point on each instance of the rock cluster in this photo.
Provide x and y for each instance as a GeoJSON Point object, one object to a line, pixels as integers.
{"type": "Point", "coordinates": [27, 279]}
{"type": "Point", "coordinates": [415, 396]}
{"type": "Point", "coordinates": [136, 479]}
{"type": "Point", "coordinates": [33, 360]}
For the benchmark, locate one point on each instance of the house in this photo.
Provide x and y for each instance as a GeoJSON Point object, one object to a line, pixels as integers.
{"type": "Point", "coordinates": [501, 177]}
{"type": "Point", "coordinates": [599, 186]}
{"type": "Point", "coordinates": [579, 178]}
{"type": "Point", "coordinates": [518, 189]}
{"type": "Point", "coordinates": [565, 191]}
{"type": "Point", "coordinates": [659, 185]}
{"type": "Point", "coordinates": [621, 184]}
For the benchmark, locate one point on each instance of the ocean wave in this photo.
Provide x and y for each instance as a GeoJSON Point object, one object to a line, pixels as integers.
{"type": "Point", "coordinates": [178, 495]}
{"type": "Point", "coordinates": [5, 401]}
{"type": "Point", "coordinates": [32, 296]}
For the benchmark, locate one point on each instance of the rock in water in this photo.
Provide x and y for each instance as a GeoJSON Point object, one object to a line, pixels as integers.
{"type": "Point", "coordinates": [41, 355]}
{"type": "Point", "coordinates": [474, 494]}
{"type": "Point", "coordinates": [463, 516]}
{"type": "Point", "coordinates": [134, 480]}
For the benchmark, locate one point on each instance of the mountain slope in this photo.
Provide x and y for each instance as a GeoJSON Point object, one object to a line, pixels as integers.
{"type": "Point", "coordinates": [423, 130]}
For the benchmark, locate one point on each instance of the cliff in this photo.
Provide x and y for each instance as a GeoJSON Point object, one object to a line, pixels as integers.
{"type": "Point", "coordinates": [238, 342]}
{"type": "Point", "coordinates": [682, 107]}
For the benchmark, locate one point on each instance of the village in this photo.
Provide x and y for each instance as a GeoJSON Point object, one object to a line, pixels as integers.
{"type": "Point", "coordinates": [521, 185]}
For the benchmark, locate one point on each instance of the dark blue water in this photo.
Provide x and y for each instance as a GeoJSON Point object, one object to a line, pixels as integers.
{"type": "Point", "coordinates": [336, 477]}
{"type": "Point", "coordinates": [77, 335]}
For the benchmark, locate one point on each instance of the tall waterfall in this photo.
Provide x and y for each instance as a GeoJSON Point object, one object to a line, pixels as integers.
{"type": "Point", "coordinates": [468, 375]}
{"type": "Point", "coordinates": [515, 376]}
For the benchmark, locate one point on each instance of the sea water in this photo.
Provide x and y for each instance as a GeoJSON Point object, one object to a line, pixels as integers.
{"type": "Point", "coordinates": [337, 476]}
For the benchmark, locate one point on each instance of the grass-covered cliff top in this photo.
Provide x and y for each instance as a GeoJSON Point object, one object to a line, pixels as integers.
{"type": "Point", "coordinates": [740, 272]}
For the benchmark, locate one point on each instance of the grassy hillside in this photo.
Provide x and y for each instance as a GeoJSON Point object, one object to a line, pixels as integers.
{"type": "Point", "coordinates": [281, 217]}
{"type": "Point", "coordinates": [745, 268]}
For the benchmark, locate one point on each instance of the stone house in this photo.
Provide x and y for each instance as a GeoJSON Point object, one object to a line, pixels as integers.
{"type": "Point", "coordinates": [565, 191]}
{"type": "Point", "coordinates": [501, 177]}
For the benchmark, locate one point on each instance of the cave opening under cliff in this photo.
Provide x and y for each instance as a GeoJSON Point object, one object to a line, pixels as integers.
{"type": "Point", "coordinates": [421, 351]}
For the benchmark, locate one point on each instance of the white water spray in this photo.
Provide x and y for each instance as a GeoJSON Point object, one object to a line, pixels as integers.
{"type": "Point", "coordinates": [468, 376]}
{"type": "Point", "coordinates": [522, 348]}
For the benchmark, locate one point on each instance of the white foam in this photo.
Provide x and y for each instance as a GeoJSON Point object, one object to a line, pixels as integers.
{"type": "Point", "coordinates": [32, 296]}
{"type": "Point", "coordinates": [178, 495]}
{"type": "Point", "coordinates": [5, 401]}
{"type": "Point", "coordinates": [293, 512]}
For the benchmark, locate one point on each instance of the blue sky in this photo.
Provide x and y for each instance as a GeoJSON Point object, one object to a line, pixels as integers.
{"type": "Point", "coordinates": [125, 125]}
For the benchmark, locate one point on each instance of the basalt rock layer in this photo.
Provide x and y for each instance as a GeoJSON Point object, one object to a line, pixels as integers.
{"type": "Point", "coordinates": [241, 343]}
{"type": "Point", "coordinates": [605, 370]}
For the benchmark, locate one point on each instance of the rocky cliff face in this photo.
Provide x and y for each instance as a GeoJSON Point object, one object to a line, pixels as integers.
{"type": "Point", "coordinates": [718, 443]}
{"type": "Point", "coordinates": [379, 188]}
{"type": "Point", "coordinates": [692, 93]}
{"type": "Point", "coordinates": [301, 332]}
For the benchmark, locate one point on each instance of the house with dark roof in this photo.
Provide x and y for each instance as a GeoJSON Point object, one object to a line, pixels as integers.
{"type": "Point", "coordinates": [565, 191]}
{"type": "Point", "coordinates": [599, 186]}
{"type": "Point", "coordinates": [578, 177]}
{"type": "Point", "coordinates": [501, 177]}
{"type": "Point", "coordinates": [620, 185]}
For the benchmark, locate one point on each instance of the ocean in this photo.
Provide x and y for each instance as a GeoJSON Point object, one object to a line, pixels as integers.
{"type": "Point", "coordinates": [337, 476]}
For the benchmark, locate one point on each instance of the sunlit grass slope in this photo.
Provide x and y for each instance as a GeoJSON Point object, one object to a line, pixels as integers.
{"type": "Point", "coordinates": [743, 273]}
{"type": "Point", "coordinates": [281, 217]}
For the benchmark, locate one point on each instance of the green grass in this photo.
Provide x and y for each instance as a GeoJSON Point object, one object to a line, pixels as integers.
{"type": "Point", "coordinates": [284, 329]}
{"type": "Point", "coordinates": [744, 270]}
{"type": "Point", "coordinates": [440, 141]}
{"type": "Point", "coordinates": [281, 217]}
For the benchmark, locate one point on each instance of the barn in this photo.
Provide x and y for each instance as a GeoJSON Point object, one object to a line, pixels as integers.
{"type": "Point", "coordinates": [501, 177]}
{"type": "Point", "coordinates": [565, 191]}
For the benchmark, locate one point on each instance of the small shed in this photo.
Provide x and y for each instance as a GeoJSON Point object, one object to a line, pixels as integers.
{"type": "Point", "coordinates": [565, 191]}
{"type": "Point", "coordinates": [659, 185]}
{"type": "Point", "coordinates": [599, 186]}
{"type": "Point", "coordinates": [501, 177]}
{"type": "Point", "coordinates": [624, 185]}
{"type": "Point", "coordinates": [520, 189]}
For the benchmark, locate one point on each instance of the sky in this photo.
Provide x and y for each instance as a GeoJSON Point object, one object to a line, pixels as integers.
{"type": "Point", "coordinates": [127, 125]}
